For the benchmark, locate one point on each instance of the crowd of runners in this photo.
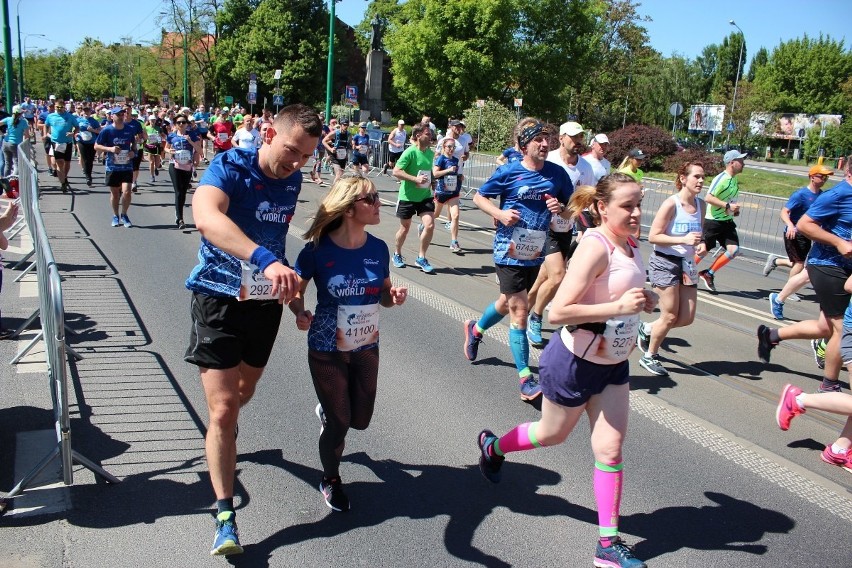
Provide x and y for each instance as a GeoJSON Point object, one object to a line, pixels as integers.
{"type": "Point", "coordinates": [566, 229]}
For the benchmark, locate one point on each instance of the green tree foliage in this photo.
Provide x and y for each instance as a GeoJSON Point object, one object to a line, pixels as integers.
{"type": "Point", "coordinates": [800, 76]}
{"type": "Point", "coordinates": [493, 125]}
{"type": "Point", "coordinates": [708, 62]}
{"type": "Point", "coordinates": [661, 82]}
{"type": "Point", "coordinates": [729, 66]}
{"type": "Point", "coordinates": [760, 59]}
{"type": "Point", "coordinates": [47, 73]}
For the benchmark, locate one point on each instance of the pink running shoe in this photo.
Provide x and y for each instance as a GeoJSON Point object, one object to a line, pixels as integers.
{"type": "Point", "coordinates": [842, 459]}
{"type": "Point", "coordinates": [787, 406]}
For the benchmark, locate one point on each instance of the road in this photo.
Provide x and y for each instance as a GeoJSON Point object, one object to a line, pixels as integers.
{"type": "Point", "coordinates": [709, 478]}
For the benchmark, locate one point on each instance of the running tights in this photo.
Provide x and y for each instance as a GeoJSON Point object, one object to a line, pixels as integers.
{"type": "Point", "coordinates": [345, 383]}
{"type": "Point", "coordinates": [87, 152]}
{"type": "Point", "coordinates": [180, 183]}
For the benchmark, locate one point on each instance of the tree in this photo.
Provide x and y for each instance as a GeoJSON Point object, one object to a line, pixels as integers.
{"type": "Point", "coordinates": [729, 66]}
{"type": "Point", "coordinates": [760, 59]}
{"type": "Point", "coordinates": [492, 126]}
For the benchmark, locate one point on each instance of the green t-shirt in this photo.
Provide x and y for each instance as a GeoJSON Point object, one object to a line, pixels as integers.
{"type": "Point", "coordinates": [725, 188]}
{"type": "Point", "coordinates": [413, 161]}
{"type": "Point", "coordinates": [637, 175]}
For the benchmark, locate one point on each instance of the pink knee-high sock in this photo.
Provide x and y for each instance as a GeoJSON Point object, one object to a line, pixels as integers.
{"type": "Point", "coordinates": [518, 439]}
{"type": "Point", "coordinates": [608, 481]}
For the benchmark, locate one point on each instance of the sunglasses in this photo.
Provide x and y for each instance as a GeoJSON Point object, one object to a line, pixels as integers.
{"type": "Point", "coordinates": [181, 122]}
{"type": "Point", "coordinates": [369, 199]}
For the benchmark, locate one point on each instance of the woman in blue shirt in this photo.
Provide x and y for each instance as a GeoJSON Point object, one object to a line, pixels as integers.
{"type": "Point", "coordinates": [17, 129]}
{"type": "Point", "coordinates": [351, 270]}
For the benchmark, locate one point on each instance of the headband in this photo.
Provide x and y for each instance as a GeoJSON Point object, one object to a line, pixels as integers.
{"type": "Point", "coordinates": [529, 133]}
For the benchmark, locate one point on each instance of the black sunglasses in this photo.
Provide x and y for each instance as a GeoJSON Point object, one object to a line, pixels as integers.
{"type": "Point", "coordinates": [181, 122]}
{"type": "Point", "coordinates": [369, 199]}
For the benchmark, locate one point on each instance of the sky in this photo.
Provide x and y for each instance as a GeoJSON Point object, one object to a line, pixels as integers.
{"type": "Point", "coordinates": [684, 27]}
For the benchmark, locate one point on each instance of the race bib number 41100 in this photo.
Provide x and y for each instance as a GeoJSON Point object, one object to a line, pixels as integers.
{"type": "Point", "coordinates": [357, 326]}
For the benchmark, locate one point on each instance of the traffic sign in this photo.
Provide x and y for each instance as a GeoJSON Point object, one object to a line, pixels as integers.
{"type": "Point", "coordinates": [675, 109]}
{"type": "Point", "coordinates": [352, 94]}
{"type": "Point", "coordinates": [731, 126]}
{"type": "Point", "coordinates": [278, 100]}
{"type": "Point", "coordinates": [251, 98]}
{"type": "Point", "coordinates": [277, 74]}
{"type": "Point", "coordinates": [252, 84]}
{"type": "Point", "coordinates": [229, 99]}
{"type": "Point", "coordinates": [480, 103]}
{"type": "Point", "coordinates": [519, 103]}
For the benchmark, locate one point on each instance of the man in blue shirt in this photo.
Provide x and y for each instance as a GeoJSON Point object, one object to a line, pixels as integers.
{"type": "Point", "coordinates": [202, 120]}
{"type": "Point", "coordinates": [531, 191]}
{"type": "Point", "coordinates": [118, 142]}
{"type": "Point", "coordinates": [61, 125]}
{"type": "Point", "coordinates": [242, 209]}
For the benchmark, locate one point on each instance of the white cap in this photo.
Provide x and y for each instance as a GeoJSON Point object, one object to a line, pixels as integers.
{"type": "Point", "coordinates": [601, 138]}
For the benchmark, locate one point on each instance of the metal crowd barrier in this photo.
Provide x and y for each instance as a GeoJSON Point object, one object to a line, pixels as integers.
{"type": "Point", "coordinates": [51, 314]}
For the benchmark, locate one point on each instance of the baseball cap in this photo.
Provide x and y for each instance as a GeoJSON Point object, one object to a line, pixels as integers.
{"type": "Point", "coordinates": [637, 153]}
{"type": "Point", "coordinates": [601, 138]}
{"type": "Point", "coordinates": [225, 109]}
{"type": "Point", "coordinates": [732, 155]}
{"type": "Point", "coordinates": [362, 125]}
{"type": "Point", "coordinates": [400, 122]}
{"type": "Point", "coordinates": [454, 123]}
{"type": "Point", "coordinates": [16, 109]}
{"type": "Point", "coordinates": [52, 97]}
{"type": "Point", "coordinates": [134, 112]}
{"type": "Point", "coordinates": [344, 121]}
{"type": "Point", "coordinates": [116, 110]}
{"type": "Point", "coordinates": [571, 128]}
{"type": "Point", "coordinates": [819, 169]}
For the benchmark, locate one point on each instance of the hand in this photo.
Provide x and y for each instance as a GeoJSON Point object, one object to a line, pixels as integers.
{"type": "Point", "coordinates": [116, 149]}
{"type": "Point", "coordinates": [631, 302]}
{"type": "Point", "coordinates": [509, 217]}
{"type": "Point", "coordinates": [285, 281]}
{"type": "Point", "coordinates": [701, 249]}
{"type": "Point", "coordinates": [735, 209]}
{"type": "Point", "coordinates": [421, 179]}
{"type": "Point", "coordinates": [791, 232]}
{"type": "Point", "coordinates": [845, 248]}
{"type": "Point", "coordinates": [651, 300]}
{"type": "Point", "coordinates": [692, 239]}
{"type": "Point", "coordinates": [552, 204]}
{"type": "Point", "coordinates": [7, 219]}
{"type": "Point", "coordinates": [304, 319]}
{"type": "Point", "coordinates": [398, 294]}
{"type": "Point", "coordinates": [454, 169]}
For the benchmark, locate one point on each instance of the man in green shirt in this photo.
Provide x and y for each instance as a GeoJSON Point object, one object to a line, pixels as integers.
{"type": "Point", "coordinates": [414, 170]}
{"type": "Point", "coordinates": [719, 226]}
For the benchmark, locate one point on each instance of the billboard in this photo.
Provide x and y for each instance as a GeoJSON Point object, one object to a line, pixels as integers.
{"type": "Point", "coordinates": [788, 125]}
{"type": "Point", "coordinates": [706, 118]}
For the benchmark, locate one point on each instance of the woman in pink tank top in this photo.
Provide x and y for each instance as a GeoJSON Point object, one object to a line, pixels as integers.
{"type": "Point", "coordinates": [584, 368]}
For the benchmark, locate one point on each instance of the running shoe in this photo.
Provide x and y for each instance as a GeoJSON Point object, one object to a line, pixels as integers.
{"type": "Point", "coordinates": [616, 555]}
{"type": "Point", "coordinates": [398, 261]}
{"type": "Point", "coordinates": [134, 188]}
{"type": "Point", "coordinates": [530, 389]}
{"type": "Point", "coordinates": [419, 229]}
{"type": "Point", "coordinates": [227, 538]}
{"type": "Point", "coordinates": [770, 264]}
{"type": "Point", "coordinates": [181, 225]}
{"type": "Point", "coordinates": [332, 492]}
{"type": "Point", "coordinates": [843, 459]}
{"type": "Point", "coordinates": [424, 265]}
{"type": "Point", "coordinates": [89, 182]}
{"type": "Point", "coordinates": [115, 221]}
{"type": "Point", "coordinates": [818, 345]}
{"type": "Point", "coordinates": [764, 344]}
{"type": "Point", "coordinates": [788, 408]}
{"type": "Point", "coordinates": [448, 225]}
{"type": "Point", "coordinates": [794, 298]}
{"type": "Point", "coordinates": [472, 339]}
{"type": "Point", "coordinates": [489, 465]}
{"type": "Point", "coordinates": [125, 220]}
{"type": "Point", "coordinates": [829, 386]}
{"type": "Point", "coordinates": [454, 246]}
{"type": "Point", "coordinates": [776, 307]}
{"type": "Point", "coordinates": [707, 278]}
{"type": "Point", "coordinates": [534, 330]}
{"type": "Point", "coordinates": [643, 340]}
{"type": "Point", "coordinates": [321, 415]}
{"type": "Point", "coordinates": [652, 365]}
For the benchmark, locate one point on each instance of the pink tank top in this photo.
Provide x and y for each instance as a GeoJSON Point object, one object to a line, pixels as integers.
{"type": "Point", "coordinates": [622, 273]}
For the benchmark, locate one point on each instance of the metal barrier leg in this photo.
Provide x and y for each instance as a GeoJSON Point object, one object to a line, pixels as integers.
{"type": "Point", "coordinates": [26, 349]}
{"type": "Point", "coordinates": [26, 323]}
{"type": "Point", "coordinates": [93, 467]}
{"type": "Point", "coordinates": [34, 472]}
{"type": "Point", "coordinates": [23, 260]}
{"type": "Point", "coordinates": [77, 356]}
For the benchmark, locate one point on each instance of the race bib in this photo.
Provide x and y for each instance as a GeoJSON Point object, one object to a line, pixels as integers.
{"type": "Point", "coordinates": [526, 244]}
{"type": "Point", "coordinates": [183, 157]}
{"type": "Point", "coordinates": [85, 136]}
{"type": "Point", "coordinates": [222, 136]}
{"type": "Point", "coordinates": [254, 285]}
{"type": "Point", "coordinates": [357, 326]}
{"type": "Point", "coordinates": [153, 139]}
{"type": "Point", "coordinates": [559, 224]}
{"type": "Point", "coordinates": [364, 148]}
{"type": "Point", "coordinates": [690, 272]}
{"type": "Point", "coordinates": [619, 338]}
{"type": "Point", "coordinates": [451, 182]}
{"type": "Point", "coordinates": [60, 147]}
{"type": "Point", "coordinates": [122, 157]}
{"type": "Point", "coordinates": [428, 174]}
{"type": "Point", "coordinates": [340, 153]}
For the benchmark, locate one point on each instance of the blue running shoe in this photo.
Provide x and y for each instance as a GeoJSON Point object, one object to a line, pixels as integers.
{"type": "Point", "coordinates": [530, 389]}
{"type": "Point", "coordinates": [534, 330]}
{"type": "Point", "coordinates": [424, 265]}
{"type": "Point", "coordinates": [616, 555]}
{"type": "Point", "coordinates": [472, 339]}
{"type": "Point", "coordinates": [643, 340]}
{"type": "Point", "coordinates": [489, 465]}
{"type": "Point", "coordinates": [125, 220]}
{"type": "Point", "coordinates": [115, 221]}
{"type": "Point", "coordinates": [419, 229]}
{"type": "Point", "coordinates": [398, 261]}
{"type": "Point", "coordinates": [227, 539]}
{"type": "Point", "coordinates": [448, 225]}
{"type": "Point", "coordinates": [776, 307]}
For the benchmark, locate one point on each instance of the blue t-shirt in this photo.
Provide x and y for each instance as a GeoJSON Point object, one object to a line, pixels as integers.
{"type": "Point", "coordinates": [799, 202]}
{"type": "Point", "coordinates": [512, 155]}
{"type": "Point", "coordinates": [442, 162]}
{"type": "Point", "coordinates": [832, 210]}
{"type": "Point", "coordinates": [42, 116]}
{"type": "Point", "coordinates": [61, 124]}
{"type": "Point", "coordinates": [178, 142]}
{"type": "Point", "coordinates": [15, 134]}
{"type": "Point", "coordinates": [524, 190]}
{"type": "Point", "coordinates": [343, 277]}
{"type": "Point", "coordinates": [360, 140]}
{"type": "Point", "coordinates": [135, 126]}
{"type": "Point", "coordinates": [28, 109]}
{"type": "Point", "coordinates": [260, 206]}
{"type": "Point", "coordinates": [124, 139]}
{"type": "Point", "coordinates": [201, 116]}
{"type": "Point", "coordinates": [84, 122]}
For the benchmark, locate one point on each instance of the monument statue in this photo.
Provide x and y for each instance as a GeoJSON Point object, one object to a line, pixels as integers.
{"type": "Point", "coordinates": [376, 37]}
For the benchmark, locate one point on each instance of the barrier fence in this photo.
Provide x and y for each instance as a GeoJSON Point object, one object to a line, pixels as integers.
{"type": "Point", "coordinates": [51, 314]}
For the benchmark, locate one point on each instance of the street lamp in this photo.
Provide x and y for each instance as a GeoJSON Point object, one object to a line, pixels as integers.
{"type": "Point", "coordinates": [330, 72]}
{"type": "Point", "coordinates": [21, 55]}
{"type": "Point", "coordinates": [739, 66]}
{"type": "Point", "coordinates": [139, 74]}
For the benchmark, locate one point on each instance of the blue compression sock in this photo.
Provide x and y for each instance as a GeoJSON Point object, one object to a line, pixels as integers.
{"type": "Point", "coordinates": [490, 317]}
{"type": "Point", "coordinates": [520, 349]}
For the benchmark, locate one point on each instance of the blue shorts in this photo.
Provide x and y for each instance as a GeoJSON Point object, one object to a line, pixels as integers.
{"type": "Point", "coordinates": [571, 381]}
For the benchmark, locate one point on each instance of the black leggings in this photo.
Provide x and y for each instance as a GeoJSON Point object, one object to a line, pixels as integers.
{"type": "Point", "coordinates": [345, 383]}
{"type": "Point", "coordinates": [87, 151]}
{"type": "Point", "coordinates": [180, 183]}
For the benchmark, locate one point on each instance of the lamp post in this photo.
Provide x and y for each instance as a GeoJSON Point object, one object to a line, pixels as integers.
{"type": "Point", "coordinates": [739, 66]}
{"type": "Point", "coordinates": [330, 71]}
{"type": "Point", "coordinates": [139, 74]}
{"type": "Point", "coordinates": [21, 55]}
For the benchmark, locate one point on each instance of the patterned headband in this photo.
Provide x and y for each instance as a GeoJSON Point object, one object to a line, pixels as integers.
{"type": "Point", "coordinates": [529, 133]}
